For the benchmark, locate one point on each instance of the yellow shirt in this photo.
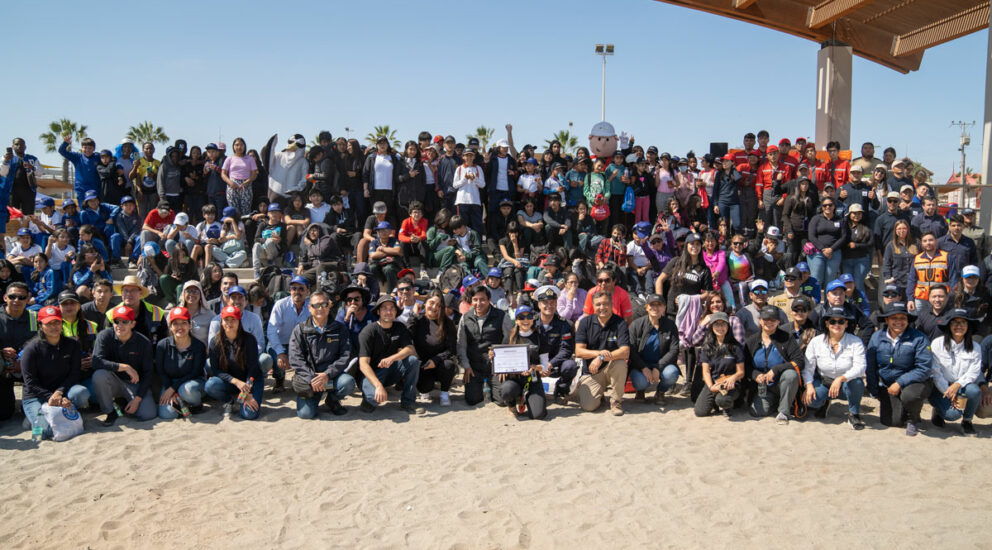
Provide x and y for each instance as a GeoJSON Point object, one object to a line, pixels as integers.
{"type": "Point", "coordinates": [147, 172]}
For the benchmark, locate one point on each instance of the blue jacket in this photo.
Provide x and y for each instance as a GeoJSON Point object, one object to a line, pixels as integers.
{"type": "Point", "coordinates": [98, 218]}
{"type": "Point", "coordinates": [44, 289]}
{"type": "Point", "coordinates": [98, 245]}
{"type": "Point", "coordinates": [906, 362]}
{"type": "Point", "coordinates": [87, 178]}
{"type": "Point", "coordinates": [725, 188]}
{"type": "Point", "coordinates": [127, 226]}
{"type": "Point", "coordinates": [7, 182]}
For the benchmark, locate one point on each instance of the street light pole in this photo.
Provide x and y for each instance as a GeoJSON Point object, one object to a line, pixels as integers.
{"type": "Point", "coordinates": [604, 50]}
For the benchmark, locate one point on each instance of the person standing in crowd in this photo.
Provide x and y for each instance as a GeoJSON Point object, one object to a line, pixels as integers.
{"type": "Point", "coordinates": [234, 374]}
{"type": "Point", "coordinates": [319, 352]}
{"type": "Point", "coordinates": [17, 325]}
{"type": "Point", "coordinates": [85, 163]}
{"type": "Point", "coordinates": [18, 179]}
{"type": "Point", "coordinates": [216, 187]}
{"type": "Point", "coordinates": [123, 368]}
{"type": "Point", "coordinates": [169, 182]}
{"type": "Point", "coordinates": [434, 336]}
{"type": "Point", "coordinates": [885, 223]}
{"type": "Point", "coordinates": [929, 221]}
{"type": "Point", "coordinates": [381, 174]}
{"type": "Point", "coordinates": [468, 180]}
{"type": "Point", "coordinates": [777, 360]}
{"type": "Point", "coordinates": [144, 174]}
{"type": "Point", "coordinates": [387, 357]}
{"type": "Point", "coordinates": [857, 253]}
{"type": "Point", "coordinates": [750, 315]}
{"type": "Point", "coordinates": [975, 232]}
{"type": "Point", "coordinates": [603, 342]}
{"type": "Point", "coordinates": [501, 175]}
{"type": "Point", "coordinates": [180, 360]}
{"type": "Point", "coordinates": [899, 369]}
{"type": "Point", "coordinates": [960, 248]}
{"type": "Point", "coordinates": [239, 172]}
{"type": "Point", "coordinates": [835, 367]}
{"type": "Point", "coordinates": [287, 313]}
{"type": "Point", "coordinates": [687, 274]}
{"type": "Point", "coordinates": [957, 371]}
{"type": "Point", "coordinates": [828, 234]}
{"type": "Point", "coordinates": [50, 367]}
{"type": "Point", "coordinates": [930, 267]}
{"type": "Point", "coordinates": [654, 341]}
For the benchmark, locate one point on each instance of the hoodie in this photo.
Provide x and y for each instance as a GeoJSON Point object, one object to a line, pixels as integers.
{"type": "Point", "coordinates": [325, 249]}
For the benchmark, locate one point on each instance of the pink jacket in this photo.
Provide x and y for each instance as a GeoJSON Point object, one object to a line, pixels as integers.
{"type": "Point", "coordinates": [717, 262]}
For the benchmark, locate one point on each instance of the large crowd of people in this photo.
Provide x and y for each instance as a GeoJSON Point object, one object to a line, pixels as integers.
{"type": "Point", "coordinates": [742, 281]}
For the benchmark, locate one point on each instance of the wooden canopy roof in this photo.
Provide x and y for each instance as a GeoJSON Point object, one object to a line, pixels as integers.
{"type": "Point", "coordinates": [894, 33]}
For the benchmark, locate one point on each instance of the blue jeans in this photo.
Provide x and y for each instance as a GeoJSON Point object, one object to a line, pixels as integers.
{"type": "Point", "coordinates": [731, 213]}
{"type": "Point", "coordinates": [669, 375]}
{"type": "Point", "coordinates": [191, 392]}
{"type": "Point", "coordinates": [342, 386]}
{"type": "Point", "coordinates": [852, 391]}
{"type": "Point", "coordinates": [859, 269]}
{"type": "Point", "coordinates": [225, 393]}
{"type": "Point", "coordinates": [823, 269]}
{"type": "Point", "coordinates": [406, 371]}
{"type": "Point", "coordinates": [947, 411]}
{"type": "Point", "coordinates": [117, 244]}
{"type": "Point", "coordinates": [32, 406]}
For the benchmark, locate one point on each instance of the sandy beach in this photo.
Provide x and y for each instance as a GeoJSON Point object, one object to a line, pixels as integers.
{"type": "Point", "coordinates": [469, 479]}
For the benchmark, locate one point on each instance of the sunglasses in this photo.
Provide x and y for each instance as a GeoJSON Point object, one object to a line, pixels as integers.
{"type": "Point", "coordinates": [351, 299]}
{"type": "Point", "coordinates": [122, 322]}
{"type": "Point", "coordinates": [759, 291]}
{"type": "Point", "coordinates": [17, 296]}
{"type": "Point", "coordinates": [800, 310]}
{"type": "Point", "coordinates": [828, 205]}
{"type": "Point", "coordinates": [320, 305]}
{"type": "Point", "coordinates": [604, 280]}
{"type": "Point", "coordinates": [890, 294]}
{"type": "Point", "coordinates": [792, 278]}
{"type": "Point", "coordinates": [525, 317]}
{"type": "Point", "coordinates": [892, 200]}
{"type": "Point", "coordinates": [737, 243]}
{"type": "Point", "coordinates": [404, 289]}
{"type": "Point", "coordinates": [836, 322]}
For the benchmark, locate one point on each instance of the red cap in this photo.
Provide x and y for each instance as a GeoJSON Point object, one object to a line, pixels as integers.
{"type": "Point", "coordinates": [754, 152]}
{"type": "Point", "coordinates": [50, 313]}
{"type": "Point", "coordinates": [802, 139]}
{"type": "Point", "coordinates": [231, 311]}
{"type": "Point", "coordinates": [809, 145]}
{"type": "Point", "coordinates": [771, 149]}
{"type": "Point", "coordinates": [728, 156]}
{"type": "Point", "coordinates": [179, 313]}
{"type": "Point", "coordinates": [784, 141]}
{"type": "Point", "coordinates": [438, 138]}
{"type": "Point", "coordinates": [404, 273]}
{"type": "Point", "coordinates": [123, 312]}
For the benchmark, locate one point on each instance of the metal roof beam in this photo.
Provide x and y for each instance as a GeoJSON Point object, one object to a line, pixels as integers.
{"type": "Point", "coordinates": [831, 10]}
{"type": "Point", "coordinates": [945, 30]}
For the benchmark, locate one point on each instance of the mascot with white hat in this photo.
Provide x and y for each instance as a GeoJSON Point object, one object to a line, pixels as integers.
{"type": "Point", "coordinates": [603, 141]}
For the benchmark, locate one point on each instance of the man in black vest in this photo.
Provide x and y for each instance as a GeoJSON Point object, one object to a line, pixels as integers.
{"type": "Point", "coordinates": [481, 328]}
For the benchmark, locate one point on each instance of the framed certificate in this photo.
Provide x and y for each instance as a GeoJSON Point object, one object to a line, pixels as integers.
{"type": "Point", "coordinates": [510, 359]}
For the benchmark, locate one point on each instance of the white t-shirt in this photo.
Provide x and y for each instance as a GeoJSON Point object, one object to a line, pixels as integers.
{"type": "Point", "coordinates": [529, 182]}
{"type": "Point", "coordinates": [31, 252]}
{"type": "Point", "coordinates": [318, 213]}
{"type": "Point", "coordinates": [383, 173]}
{"type": "Point", "coordinates": [636, 253]}
{"type": "Point", "coordinates": [202, 229]}
{"type": "Point", "coordinates": [502, 181]}
{"type": "Point", "coordinates": [58, 256]}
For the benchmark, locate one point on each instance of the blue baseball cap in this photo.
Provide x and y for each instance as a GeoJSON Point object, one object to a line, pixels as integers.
{"type": "Point", "coordinates": [48, 201]}
{"type": "Point", "coordinates": [845, 278]}
{"type": "Point", "coordinates": [229, 212]}
{"type": "Point", "coordinates": [237, 290]}
{"type": "Point", "coordinates": [803, 266]}
{"type": "Point", "coordinates": [274, 207]}
{"type": "Point", "coordinates": [90, 195]}
{"type": "Point", "coordinates": [68, 202]}
{"type": "Point", "coordinates": [383, 225]}
{"type": "Point", "coordinates": [469, 280]}
{"type": "Point", "coordinates": [299, 280]}
{"type": "Point", "coordinates": [213, 232]}
{"type": "Point", "coordinates": [151, 249]}
{"type": "Point", "coordinates": [496, 272]}
{"type": "Point", "coordinates": [532, 160]}
{"type": "Point", "coordinates": [127, 199]}
{"type": "Point", "coordinates": [210, 146]}
{"type": "Point", "coordinates": [23, 231]}
{"type": "Point", "coordinates": [523, 309]}
{"type": "Point", "coordinates": [643, 229]}
{"type": "Point", "coordinates": [835, 284]}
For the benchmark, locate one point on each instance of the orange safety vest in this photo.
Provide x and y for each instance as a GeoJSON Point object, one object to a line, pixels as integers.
{"type": "Point", "coordinates": [929, 272]}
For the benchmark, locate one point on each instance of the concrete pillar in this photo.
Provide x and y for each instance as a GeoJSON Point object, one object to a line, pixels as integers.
{"type": "Point", "coordinates": [833, 94]}
{"type": "Point", "coordinates": [985, 209]}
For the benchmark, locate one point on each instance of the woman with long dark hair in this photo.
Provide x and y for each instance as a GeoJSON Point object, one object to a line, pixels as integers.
{"type": "Point", "coordinates": [353, 159]}
{"type": "Point", "coordinates": [722, 361]}
{"type": "Point", "coordinates": [179, 269]}
{"type": "Point", "coordinates": [859, 247]}
{"type": "Point", "coordinates": [239, 173]}
{"type": "Point", "coordinates": [260, 186]}
{"type": "Point", "coordinates": [235, 377]}
{"type": "Point", "coordinates": [799, 208]}
{"type": "Point", "coordinates": [210, 281]}
{"type": "Point", "coordinates": [957, 371]}
{"type": "Point", "coordinates": [381, 174]}
{"type": "Point", "coordinates": [515, 253]}
{"type": "Point", "coordinates": [688, 274]}
{"type": "Point", "coordinates": [524, 392]}
{"type": "Point", "coordinates": [435, 336]}
{"type": "Point", "coordinates": [898, 257]}
{"type": "Point", "coordinates": [410, 186]}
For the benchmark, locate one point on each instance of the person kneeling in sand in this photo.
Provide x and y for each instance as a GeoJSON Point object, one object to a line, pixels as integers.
{"type": "Point", "coordinates": [319, 352]}
{"type": "Point", "coordinates": [523, 393]}
{"type": "Point", "coordinates": [386, 357]}
{"type": "Point", "coordinates": [603, 342]}
{"type": "Point", "coordinates": [480, 328]}
{"type": "Point", "coordinates": [122, 367]}
{"type": "Point", "coordinates": [722, 361]}
{"type": "Point", "coordinates": [835, 367]}
{"type": "Point", "coordinates": [50, 365]}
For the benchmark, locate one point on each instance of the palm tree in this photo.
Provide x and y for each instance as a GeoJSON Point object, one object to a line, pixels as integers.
{"type": "Point", "coordinates": [566, 139]}
{"type": "Point", "coordinates": [53, 138]}
{"type": "Point", "coordinates": [146, 131]}
{"type": "Point", "coordinates": [383, 131]}
{"type": "Point", "coordinates": [484, 135]}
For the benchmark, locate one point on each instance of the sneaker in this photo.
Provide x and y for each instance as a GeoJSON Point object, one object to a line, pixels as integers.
{"type": "Point", "coordinates": [937, 420]}
{"type": "Point", "coordinates": [659, 397]}
{"type": "Point", "coordinates": [445, 399]}
{"type": "Point", "coordinates": [227, 410]}
{"type": "Point", "coordinates": [336, 408]}
{"type": "Point", "coordinates": [639, 395]}
{"type": "Point", "coordinates": [855, 422]}
{"type": "Point", "coordinates": [821, 413]}
{"type": "Point", "coordinates": [132, 265]}
{"type": "Point", "coordinates": [911, 429]}
{"type": "Point", "coordinates": [279, 385]}
{"type": "Point", "coordinates": [968, 428]}
{"type": "Point", "coordinates": [424, 396]}
{"type": "Point", "coordinates": [367, 407]}
{"type": "Point", "coordinates": [616, 407]}
{"type": "Point", "coordinates": [412, 408]}
{"type": "Point", "coordinates": [111, 418]}
{"type": "Point", "coordinates": [781, 419]}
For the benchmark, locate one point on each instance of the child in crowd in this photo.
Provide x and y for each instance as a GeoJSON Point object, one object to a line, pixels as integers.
{"type": "Point", "coordinates": [41, 282]}
{"type": "Point", "coordinates": [127, 232]}
{"type": "Point", "coordinates": [60, 253]}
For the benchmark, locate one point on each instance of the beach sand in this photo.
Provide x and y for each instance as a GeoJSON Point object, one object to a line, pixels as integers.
{"type": "Point", "coordinates": [470, 479]}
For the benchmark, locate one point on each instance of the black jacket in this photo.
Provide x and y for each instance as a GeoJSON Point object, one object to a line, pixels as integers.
{"type": "Point", "coordinates": [420, 327]}
{"type": "Point", "coordinates": [668, 341]}
{"type": "Point", "coordinates": [410, 188]}
{"type": "Point", "coordinates": [175, 367]}
{"type": "Point", "coordinates": [560, 341]}
{"type": "Point", "coordinates": [325, 177]}
{"type": "Point", "coordinates": [312, 352]}
{"type": "Point", "coordinates": [325, 249]}
{"type": "Point", "coordinates": [47, 368]}
{"type": "Point", "coordinates": [787, 348]}
{"type": "Point", "coordinates": [136, 353]}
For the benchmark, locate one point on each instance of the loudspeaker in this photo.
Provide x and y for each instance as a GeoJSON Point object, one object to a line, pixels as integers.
{"type": "Point", "coordinates": [718, 149]}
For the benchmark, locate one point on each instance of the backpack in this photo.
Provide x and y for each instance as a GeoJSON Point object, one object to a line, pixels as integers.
{"type": "Point", "coordinates": [451, 278]}
{"type": "Point", "coordinates": [275, 281]}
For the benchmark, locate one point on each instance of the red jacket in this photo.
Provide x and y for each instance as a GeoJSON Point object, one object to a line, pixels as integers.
{"type": "Point", "coordinates": [407, 229]}
{"type": "Point", "coordinates": [839, 172]}
{"type": "Point", "coordinates": [768, 175]}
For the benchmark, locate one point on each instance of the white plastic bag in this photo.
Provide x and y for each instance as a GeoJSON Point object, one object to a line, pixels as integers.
{"type": "Point", "coordinates": [66, 423]}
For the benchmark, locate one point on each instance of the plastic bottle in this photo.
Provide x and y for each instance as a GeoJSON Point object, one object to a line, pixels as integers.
{"type": "Point", "coordinates": [244, 394]}
{"type": "Point", "coordinates": [117, 409]}
{"type": "Point", "coordinates": [36, 430]}
{"type": "Point", "coordinates": [183, 409]}
{"type": "Point", "coordinates": [486, 391]}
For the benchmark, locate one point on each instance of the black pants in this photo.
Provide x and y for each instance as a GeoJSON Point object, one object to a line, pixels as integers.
{"type": "Point", "coordinates": [22, 198]}
{"type": "Point", "coordinates": [473, 388]}
{"type": "Point", "coordinates": [415, 250]}
{"type": "Point", "coordinates": [896, 409]}
{"type": "Point", "coordinates": [705, 402]}
{"type": "Point", "coordinates": [441, 374]}
{"type": "Point", "coordinates": [6, 398]}
{"type": "Point", "coordinates": [535, 401]}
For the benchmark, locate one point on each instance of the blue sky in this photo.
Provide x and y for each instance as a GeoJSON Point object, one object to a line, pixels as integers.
{"type": "Point", "coordinates": [680, 78]}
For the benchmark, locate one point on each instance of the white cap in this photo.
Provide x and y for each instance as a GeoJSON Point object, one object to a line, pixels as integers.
{"type": "Point", "coordinates": [603, 129]}
{"type": "Point", "coordinates": [971, 271]}
{"type": "Point", "coordinates": [857, 168]}
{"type": "Point", "coordinates": [502, 143]}
{"type": "Point", "coordinates": [759, 283]}
{"type": "Point", "coordinates": [182, 218]}
{"type": "Point", "coordinates": [856, 207]}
